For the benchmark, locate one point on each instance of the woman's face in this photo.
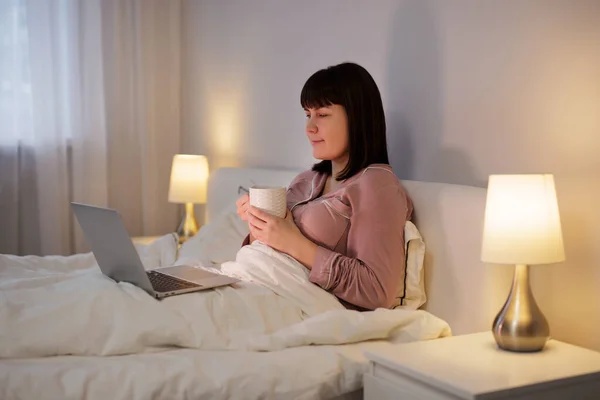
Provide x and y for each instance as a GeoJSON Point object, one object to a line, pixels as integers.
{"type": "Point", "coordinates": [327, 130]}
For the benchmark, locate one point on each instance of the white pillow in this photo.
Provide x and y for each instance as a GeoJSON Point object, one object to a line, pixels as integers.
{"type": "Point", "coordinates": [160, 253]}
{"type": "Point", "coordinates": [414, 283]}
{"type": "Point", "coordinates": [216, 242]}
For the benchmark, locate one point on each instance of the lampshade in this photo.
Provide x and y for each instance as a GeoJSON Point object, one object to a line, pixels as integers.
{"type": "Point", "coordinates": [189, 177]}
{"type": "Point", "coordinates": [522, 222]}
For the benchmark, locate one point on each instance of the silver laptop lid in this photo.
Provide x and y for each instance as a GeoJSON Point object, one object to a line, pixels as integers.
{"type": "Point", "coordinates": [111, 244]}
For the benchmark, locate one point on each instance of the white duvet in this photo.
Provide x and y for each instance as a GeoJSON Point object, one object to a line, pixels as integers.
{"type": "Point", "coordinates": [64, 305]}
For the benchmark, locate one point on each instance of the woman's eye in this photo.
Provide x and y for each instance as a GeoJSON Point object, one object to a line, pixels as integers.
{"type": "Point", "coordinates": [307, 116]}
{"type": "Point", "coordinates": [323, 115]}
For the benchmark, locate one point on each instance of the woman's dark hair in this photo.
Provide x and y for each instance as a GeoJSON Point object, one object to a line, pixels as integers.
{"type": "Point", "coordinates": [352, 87]}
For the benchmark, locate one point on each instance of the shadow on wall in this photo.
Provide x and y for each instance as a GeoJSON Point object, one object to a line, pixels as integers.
{"type": "Point", "coordinates": [415, 101]}
{"type": "Point", "coordinates": [416, 124]}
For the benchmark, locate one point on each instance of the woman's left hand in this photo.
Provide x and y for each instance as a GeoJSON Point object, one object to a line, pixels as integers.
{"type": "Point", "coordinates": [282, 234]}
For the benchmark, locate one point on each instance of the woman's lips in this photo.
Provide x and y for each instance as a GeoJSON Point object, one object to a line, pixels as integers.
{"type": "Point", "coordinates": [313, 142]}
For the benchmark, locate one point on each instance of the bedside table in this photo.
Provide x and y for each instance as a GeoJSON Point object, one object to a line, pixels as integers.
{"type": "Point", "coordinates": [472, 367]}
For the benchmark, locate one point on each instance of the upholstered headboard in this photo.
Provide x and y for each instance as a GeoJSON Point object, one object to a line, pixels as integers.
{"type": "Point", "coordinates": [460, 288]}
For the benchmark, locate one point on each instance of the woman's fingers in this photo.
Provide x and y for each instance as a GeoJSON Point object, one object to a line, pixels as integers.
{"type": "Point", "coordinates": [242, 206]}
{"type": "Point", "coordinates": [256, 232]}
{"type": "Point", "coordinates": [260, 214]}
{"type": "Point", "coordinates": [255, 221]}
{"type": "Point", "coordinates": [242, 200]}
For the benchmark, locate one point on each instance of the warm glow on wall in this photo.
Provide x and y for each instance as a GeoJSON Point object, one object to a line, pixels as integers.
{"type": "Point", "coordinates": [226, 129]}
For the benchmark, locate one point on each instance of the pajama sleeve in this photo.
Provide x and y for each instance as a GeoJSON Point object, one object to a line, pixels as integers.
{"type": "Point", "coordinates": [368, 276]}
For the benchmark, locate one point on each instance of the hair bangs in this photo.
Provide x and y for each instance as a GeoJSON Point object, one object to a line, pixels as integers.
{"type": "Point", "coordinates": [320, 90]}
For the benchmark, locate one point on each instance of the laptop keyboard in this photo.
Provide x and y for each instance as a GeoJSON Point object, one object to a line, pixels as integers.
{"type": "Point", "coordinates": [165, 283]}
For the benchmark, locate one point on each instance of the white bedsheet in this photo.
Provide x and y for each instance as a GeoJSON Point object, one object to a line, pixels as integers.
{"type": "Point", "coordinates": [60, 305]}
{"type": "Point", "coordinates": [314, 372]}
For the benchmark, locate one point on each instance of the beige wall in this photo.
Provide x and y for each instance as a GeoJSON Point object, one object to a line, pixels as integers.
{"type": "Point", "coordinates": [470, 88]}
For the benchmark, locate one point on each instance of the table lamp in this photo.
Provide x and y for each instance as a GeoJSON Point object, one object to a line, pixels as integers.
{"type": "Point", "coordinates": [189, 177]}
{"type": "Point", "coordinates": [521, 227]}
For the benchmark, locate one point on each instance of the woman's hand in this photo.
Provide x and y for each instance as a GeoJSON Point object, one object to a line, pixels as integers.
{"type": "Point", "coordinates": [242, 207]}
{"type": "Point", "coordinates": [279, 233]}
{"type": "Point", "coordinates": [282, 234]}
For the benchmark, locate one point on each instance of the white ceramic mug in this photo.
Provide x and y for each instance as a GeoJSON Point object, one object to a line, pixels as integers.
{"type": "Point", "coordinates": [271, 199]}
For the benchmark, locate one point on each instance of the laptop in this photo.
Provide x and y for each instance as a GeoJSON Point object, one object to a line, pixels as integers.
{"type": "Point", "coordinates": [118, 258]}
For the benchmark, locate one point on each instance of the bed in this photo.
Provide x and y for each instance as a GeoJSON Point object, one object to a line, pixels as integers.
{"type": "Point", "coordinates": [460, 291]}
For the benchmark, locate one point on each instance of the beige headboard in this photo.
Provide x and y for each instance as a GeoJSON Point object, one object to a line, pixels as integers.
{"type": "Point", "coordinates": [460, 288]}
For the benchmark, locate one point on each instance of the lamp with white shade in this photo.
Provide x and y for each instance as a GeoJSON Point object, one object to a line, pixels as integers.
{"type": "Point", "coordinates": [189, 178]}
{"type": "Point", "coordinates": [521, 227]}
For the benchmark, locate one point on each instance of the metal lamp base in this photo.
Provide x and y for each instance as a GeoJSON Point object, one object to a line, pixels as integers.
{"type": "Point", "coordinates": [188, 226]}
{"type": "Point", "coordinates": [520, 325]}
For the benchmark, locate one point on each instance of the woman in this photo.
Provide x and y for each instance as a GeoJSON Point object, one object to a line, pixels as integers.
{"type": "Point", "coordinates": [346, 215]}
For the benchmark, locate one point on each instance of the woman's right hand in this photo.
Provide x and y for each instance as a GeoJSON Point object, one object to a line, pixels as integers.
{"type": "Point", "coordinates": [242, 207]}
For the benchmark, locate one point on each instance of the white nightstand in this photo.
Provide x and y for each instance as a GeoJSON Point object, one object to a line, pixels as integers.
{"type": "Point", "coordinates": [472, 367]}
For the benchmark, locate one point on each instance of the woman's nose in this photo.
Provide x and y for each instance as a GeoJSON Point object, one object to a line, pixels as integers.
{"type": "Point", "coordinates": [311, 127]}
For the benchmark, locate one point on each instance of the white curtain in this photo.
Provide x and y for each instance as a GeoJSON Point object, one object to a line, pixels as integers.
{"type": "Point", "coordinates": [89, 112]}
